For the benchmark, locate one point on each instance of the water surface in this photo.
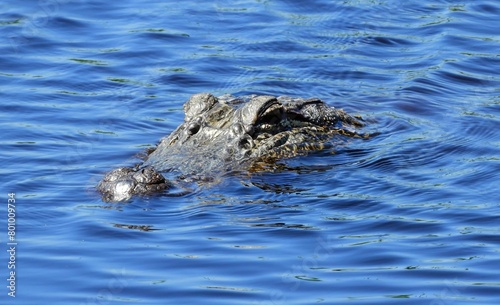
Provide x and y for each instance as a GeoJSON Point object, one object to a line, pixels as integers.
{"type": "Point", "coordinates": [407, 217]}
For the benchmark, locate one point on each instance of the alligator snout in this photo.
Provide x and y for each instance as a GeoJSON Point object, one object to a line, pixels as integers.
{"type": "Point", "coordinates": [121, 183]}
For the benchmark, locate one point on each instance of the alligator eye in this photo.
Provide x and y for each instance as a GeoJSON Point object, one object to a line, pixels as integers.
{"type": "Point", "coordinates": [193, 128]}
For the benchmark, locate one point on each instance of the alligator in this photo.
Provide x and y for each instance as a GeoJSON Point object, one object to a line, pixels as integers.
{"type": "Point", "coordinates": [229, 134]}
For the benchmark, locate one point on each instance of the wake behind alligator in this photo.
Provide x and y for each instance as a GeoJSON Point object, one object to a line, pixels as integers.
{"type": "Point", "coordinates": [231, 134]}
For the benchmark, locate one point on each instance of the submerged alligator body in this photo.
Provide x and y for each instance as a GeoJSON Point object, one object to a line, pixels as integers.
{"type": "Point", "coordinates": [228, 134]}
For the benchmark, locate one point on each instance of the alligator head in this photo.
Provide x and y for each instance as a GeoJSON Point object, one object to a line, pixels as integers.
{"type": "Point", "coordinates": [226, 134]}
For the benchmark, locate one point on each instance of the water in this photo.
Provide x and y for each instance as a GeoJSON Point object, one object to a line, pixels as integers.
{"type": "Point", "coordinates": [407, 217]}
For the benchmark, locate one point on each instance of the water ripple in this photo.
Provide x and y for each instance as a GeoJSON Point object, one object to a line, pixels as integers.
{"type": "Point", "coordinates": [410, 213]}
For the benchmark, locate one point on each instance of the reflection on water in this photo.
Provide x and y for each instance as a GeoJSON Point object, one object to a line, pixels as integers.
{"type": "Point", "coordinates": [144, 228]}
{"type": "Point", "coordinates": [409, 215]}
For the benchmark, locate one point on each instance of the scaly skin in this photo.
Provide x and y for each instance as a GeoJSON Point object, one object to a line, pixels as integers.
{"type": "Point", "coordinates": [226, 134]}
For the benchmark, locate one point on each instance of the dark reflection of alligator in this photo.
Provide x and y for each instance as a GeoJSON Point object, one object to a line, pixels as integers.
{"type": "Point", "coordinates": [229, 134]}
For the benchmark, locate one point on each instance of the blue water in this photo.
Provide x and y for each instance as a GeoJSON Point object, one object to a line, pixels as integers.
{"type": "Point", "coordinates": [410, 216]}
